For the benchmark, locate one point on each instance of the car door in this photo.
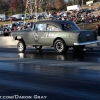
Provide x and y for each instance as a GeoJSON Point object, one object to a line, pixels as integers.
{"type": "Point", "coordinates": [51, 33]}
{"type": "Point", "coordinates": [39, 34]}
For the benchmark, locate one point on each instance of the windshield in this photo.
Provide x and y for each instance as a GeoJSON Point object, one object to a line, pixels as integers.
{"type": "Point", "coordinates": [70, 26]}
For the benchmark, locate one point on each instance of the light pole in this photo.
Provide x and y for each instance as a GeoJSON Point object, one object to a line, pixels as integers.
{"type": "Point", "coordinates": [82, 4]}
{"type": "Point", "coordinates": [36, 9]}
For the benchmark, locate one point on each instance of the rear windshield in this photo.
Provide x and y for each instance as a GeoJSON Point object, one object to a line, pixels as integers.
{"type": "Point", "coordinates": [70, 26]}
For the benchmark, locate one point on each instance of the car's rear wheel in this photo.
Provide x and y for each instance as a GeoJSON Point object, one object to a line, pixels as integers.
{"type": "Point", "coordinates": [21, 46]}
{"type": "Point", "coordinates": [38, 47]}
{"type": "Point", "coordinates": [60, 46]}
{"type": "Point", "coordinates": [79, 48]}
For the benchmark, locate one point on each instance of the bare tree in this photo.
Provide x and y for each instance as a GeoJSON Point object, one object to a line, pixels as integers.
{"type": "Point", "coordinates": [59, 4]}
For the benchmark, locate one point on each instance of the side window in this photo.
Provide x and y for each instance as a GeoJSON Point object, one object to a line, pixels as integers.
{"type": "Point", "coordinates": [52, 28]}
{"type": "Point", "coordinates": [69, 26]}
{"type": "Point", "coordinates": [65, 26]}
{"type": "Point", "coordinates": [40, 27]}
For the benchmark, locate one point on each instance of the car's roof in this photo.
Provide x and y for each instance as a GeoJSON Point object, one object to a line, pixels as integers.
{"type": "Point", "coordinates": [54, 21]}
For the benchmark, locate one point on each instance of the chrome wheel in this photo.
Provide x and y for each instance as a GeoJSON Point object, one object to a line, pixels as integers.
{"type": "Point", "coordinates": [21, 46]}
{"type": "Point", "coordinates": [60, 46]}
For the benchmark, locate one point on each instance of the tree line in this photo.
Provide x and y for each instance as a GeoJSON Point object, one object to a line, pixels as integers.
{"type": "Point", "coordinates": [19, 6]}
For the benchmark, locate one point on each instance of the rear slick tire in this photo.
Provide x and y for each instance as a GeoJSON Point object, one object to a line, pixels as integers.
{"type": "Point", "coordinates": [79, 48]}
{"type": "Point", "coordinates": [38, 47]}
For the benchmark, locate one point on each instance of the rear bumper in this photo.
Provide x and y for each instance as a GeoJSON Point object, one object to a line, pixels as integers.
{"type": "Point", "coordinates": [86, 43]}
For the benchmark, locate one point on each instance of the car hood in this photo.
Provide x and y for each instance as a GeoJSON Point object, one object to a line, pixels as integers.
{"type": "Point", "coordinates": [25, 30]}
{"type": "Point", "coordinates": [22, 31]}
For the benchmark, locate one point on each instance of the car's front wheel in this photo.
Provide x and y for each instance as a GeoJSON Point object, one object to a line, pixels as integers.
{"type": "Point", "coordinates": [21, 46]}
{"type": "Point", "coordinates": [38, 47]}
{"type": "Point", "coordinates": [60, 46]}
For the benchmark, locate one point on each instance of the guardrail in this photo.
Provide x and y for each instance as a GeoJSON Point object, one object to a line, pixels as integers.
{"type": "Point", "coordinates": [88, 26]}
{"type": "Point", "coordinates": [7, 41]}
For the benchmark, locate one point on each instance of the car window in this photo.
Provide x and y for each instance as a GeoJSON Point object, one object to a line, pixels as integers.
{"type": "Point", "coordinates": [40, 27]}
{"type": "Point", "coordinates": [52, 28]}
{"type": "Point", "coordinates": [70, 26]}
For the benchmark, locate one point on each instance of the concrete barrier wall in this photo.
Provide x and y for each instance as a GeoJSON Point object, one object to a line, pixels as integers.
{"type": "Point", "coordinates": [6, 41]}
{"type": "Point", "coordinates": [96, 44]}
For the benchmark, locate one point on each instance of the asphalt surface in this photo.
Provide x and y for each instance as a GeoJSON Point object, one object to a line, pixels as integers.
{"type": "Point", "coordinates": [46, 75]}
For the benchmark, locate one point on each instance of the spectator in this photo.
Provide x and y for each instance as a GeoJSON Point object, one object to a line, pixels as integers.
{"type": "Point", "coordinates": [31, 24]}
{"type": "Point", "coordinates": [14, 28]}
{"type": "Point", "coordinates": [97, 29]}
{"type": "Point", "coordinates": [19, 28]}
{"type": "Point", "coordinates": [6, 32]}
